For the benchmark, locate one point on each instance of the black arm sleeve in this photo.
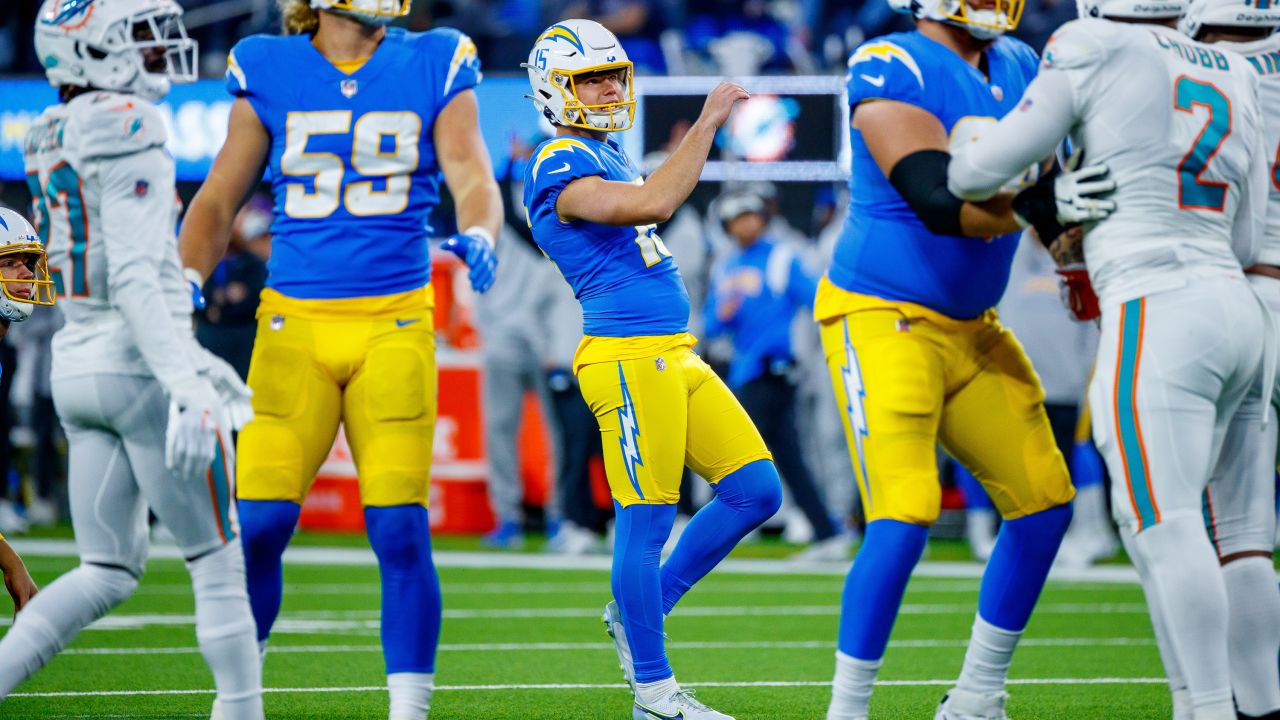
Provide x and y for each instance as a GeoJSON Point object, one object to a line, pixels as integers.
{"type": "Point", "coordinates": [921, 179]}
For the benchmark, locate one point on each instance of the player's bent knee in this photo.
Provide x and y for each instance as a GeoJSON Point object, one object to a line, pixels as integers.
{"type": "Point", "coordinates": [400, 535]}
{"type": "Point", "coordinates": [113, 584]}
{"type": "Point", "coordinates": [397, 383]}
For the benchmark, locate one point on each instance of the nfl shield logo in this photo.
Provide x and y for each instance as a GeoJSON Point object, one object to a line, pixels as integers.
{"type": "Point", "coordinates": [661, 364]}
{"type": "Point", "coordinates": [997, 92]}
{"type": "Point", "coordinates": [350, 88]}
{"type": "Point", "coordinates": [141, 188]}
{"type": "Point", "coordinates": [277, 322]}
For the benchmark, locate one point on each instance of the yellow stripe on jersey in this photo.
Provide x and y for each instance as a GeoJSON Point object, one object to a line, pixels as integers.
{"type": "Point", "coordinates": [560, 145]}
{"type": "Point", "coordinates": [594, 349]}
{"type": "Point", "coordinates": [405, 303]}
{"type": "Point", "coordinates": [888, 52]}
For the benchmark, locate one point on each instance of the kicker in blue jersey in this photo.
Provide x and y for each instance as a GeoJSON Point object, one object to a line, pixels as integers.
{"type": "Point", "coordinates": [624, 277]}
{"type": "Point", "coordinates": [354, 150]}
{"type": "Point", "coordinates": [884, 249]}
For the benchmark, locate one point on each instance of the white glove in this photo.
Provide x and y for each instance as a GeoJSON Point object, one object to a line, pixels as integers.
{"type": "Point", "coordinates": [1078, 192]}
{"type": "Point", "coordinates": [231, 390]}
{"type": "Point", "coordinates": [191, 439]}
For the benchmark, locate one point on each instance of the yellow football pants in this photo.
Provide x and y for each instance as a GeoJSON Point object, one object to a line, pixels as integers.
{"type": "Point", "coordinates": [658, 414]}
{"type": "Point", "coordinates": [907, 378]}
{"type": "Point", "coordinates": [374, 373]}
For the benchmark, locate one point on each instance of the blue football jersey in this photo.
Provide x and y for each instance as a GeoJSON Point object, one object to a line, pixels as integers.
{"type": "Point", "coordinates": [624, 277]}
{"type": "Point", "coordinates": [884, 249]}
{"type": "Point", "coordinates": [352, 165]}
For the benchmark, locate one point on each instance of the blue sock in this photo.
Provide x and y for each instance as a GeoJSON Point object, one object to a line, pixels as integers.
{"type": "Point", "coordinates": [639, 533]}
{"type": "Point", "coordinates": [876, 583]}
{"type": "Point", "coordinates": [744, 499]}
{"type": "Point", "coordinates": [411, 608]}
{"type": "Point", "coordinates": [1019, 564]}
{"type": "Point", "coordinates": [265, 529]}
{"type": "Point", "coordinates": [975, 496]}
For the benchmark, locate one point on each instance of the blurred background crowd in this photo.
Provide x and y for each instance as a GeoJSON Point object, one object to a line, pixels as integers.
{"type": "Point", "coordinates": [750, 254]}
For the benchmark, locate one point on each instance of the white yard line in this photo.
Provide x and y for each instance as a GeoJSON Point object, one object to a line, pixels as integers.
{"type": "Point", "coordinates": [348, 556]}
{"type": "Point", "coordinates": [598, 686]}
{"type": "Point", "coordinates": [587, 646]}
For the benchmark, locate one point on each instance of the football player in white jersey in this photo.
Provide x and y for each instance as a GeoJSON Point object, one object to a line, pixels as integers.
{"type": "Point", "coordinates": [1239, 503]}
{"type": "Point", "coordinates": [147, 413]}
{"type": "Point", "coordinates": [1183, 336]}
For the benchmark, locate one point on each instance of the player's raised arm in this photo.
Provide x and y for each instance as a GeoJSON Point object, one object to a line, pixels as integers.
{"type": "Point", "coordinates": [595, 199]}
{"type": "Point", "coordinates": [235, 172]}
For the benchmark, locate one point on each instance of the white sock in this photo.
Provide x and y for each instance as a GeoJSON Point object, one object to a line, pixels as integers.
{"type": "Point", "coordinates": [226, 632]}
{"type": "Point", "coordinates": [1168, 658]}
{"type": "Point", "coordinates": [851, 688]}
{"type": "Point", "coordinates": [655, 692]}
{"type": "Point", "coordinates": [55, 616]}
{"type": "Point", "coordinates": [1186, 585]}
{"type": "Point", "coordinates": [1181, 704]}
{"type": "Point", "coordinates": [986, 662]}
{"type": "Point", "coordinates": [1254, 637]}
{"type": "Point", "coordinates": [410, 694]}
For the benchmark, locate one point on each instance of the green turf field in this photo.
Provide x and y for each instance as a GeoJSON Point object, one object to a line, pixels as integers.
{"type": "Point", "coordinates": [527, 643]}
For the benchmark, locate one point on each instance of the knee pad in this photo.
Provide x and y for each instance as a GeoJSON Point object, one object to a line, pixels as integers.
{"type": "Point", "coordinates": [222, 599]}
{"type": "Point", "coordinates": [400, 535]}
{"type": "Point", "coordinates": [111, 584]}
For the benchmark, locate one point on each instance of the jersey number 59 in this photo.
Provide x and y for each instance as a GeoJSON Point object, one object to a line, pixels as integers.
{"type": "Point", "coordinates": [383, 145]}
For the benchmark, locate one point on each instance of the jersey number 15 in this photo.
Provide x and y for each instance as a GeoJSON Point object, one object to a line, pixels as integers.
{"type": "Point", "coordinates": [383, 145]}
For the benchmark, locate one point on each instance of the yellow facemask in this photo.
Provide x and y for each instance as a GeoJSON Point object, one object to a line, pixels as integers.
{"type": "Point", "coordinates": [373, 8]}
{"type": "Point", "coordinates": [576, 112]}
{"type": "Point", "coordinates": [1004, 17]}
{"type": "Point", "coordinates": [43, 291]}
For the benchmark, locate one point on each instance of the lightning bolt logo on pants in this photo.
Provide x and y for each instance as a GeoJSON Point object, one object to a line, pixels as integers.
{"type": "Point", "coordinates": [854, 392]}
{"type": "Point", "coordinates": [629, 430]}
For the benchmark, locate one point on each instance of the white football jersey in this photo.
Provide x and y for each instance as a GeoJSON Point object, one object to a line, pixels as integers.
{"type": "Point", "coordinates": [1180, 126]}
{"type": "Point", "coordinates": [103, 188]}
{"type": "Point", "coordinates": [1264, 55]}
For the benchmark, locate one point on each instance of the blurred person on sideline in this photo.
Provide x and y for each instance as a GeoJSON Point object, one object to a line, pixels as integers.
{"type": "Point", "coordinates": [755, 294]}
{"type": "Point", "coordinates": [228, 323]}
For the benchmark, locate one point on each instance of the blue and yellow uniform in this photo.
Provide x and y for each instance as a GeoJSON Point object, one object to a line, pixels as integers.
{"type": "Point", "coordinates": [345, 324]}
{"type": "Point", "coordinates": [660, 407]}
{"type": "Point", "coordinates": [914, 347]}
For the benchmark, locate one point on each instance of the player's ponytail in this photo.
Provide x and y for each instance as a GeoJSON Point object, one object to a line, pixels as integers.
{"type": "Point", "coordinates": [298, 17]}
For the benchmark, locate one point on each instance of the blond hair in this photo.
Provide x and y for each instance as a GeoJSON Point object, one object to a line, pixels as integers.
{"type": "Point", "coordinates": [298, 17]}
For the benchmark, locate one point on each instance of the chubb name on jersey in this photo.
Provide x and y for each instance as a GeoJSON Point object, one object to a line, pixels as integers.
{"type": "Point", "coordinates": [1195, 54]}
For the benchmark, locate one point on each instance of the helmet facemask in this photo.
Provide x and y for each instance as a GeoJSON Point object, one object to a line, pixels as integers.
{"type": "Point", "coordinates": [601, 117]}
{"type": "Point", "coordinates": [369, 12]}
{"type": "Point", "coordinates": [163, 52]}
{"type": "Point", "coordinates": [982, 23]}
{"type": "Point", "coordinates": [18, 296]}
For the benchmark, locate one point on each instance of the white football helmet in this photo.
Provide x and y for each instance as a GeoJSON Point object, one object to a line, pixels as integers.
{"type": "Point", "coordinates": [116, 45]}
{"type": "Point", "coordinates": [983, 24]}
{"type": "Point", "coordinates": [1229, 13]}
{"type": "Point", "coordinates": [567, 51]}
{"type": "Point", "coordinates": [372, 12]}
{"type": "Point", "coordinates": [19, 294]}
{"type": "Point", "coordinates": [1138, 9]}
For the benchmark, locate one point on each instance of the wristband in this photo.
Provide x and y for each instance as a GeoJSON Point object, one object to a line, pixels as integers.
{"type": "Point", "coordinates": [480, 232]}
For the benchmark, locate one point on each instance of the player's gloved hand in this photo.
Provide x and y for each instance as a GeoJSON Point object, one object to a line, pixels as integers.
{"type": "Point", "coordinates": [192, 436]}
{"type": "Point", "coordinates": [1077, 293]}
{"type": "Point", "coordinates": [236, 397]}
{"type": "Point", "coordinates": [1065, 196]}
{"type": "Point", "coordinates": [195, 282]}
{"type": "Point", "coordinates": [475, 247]}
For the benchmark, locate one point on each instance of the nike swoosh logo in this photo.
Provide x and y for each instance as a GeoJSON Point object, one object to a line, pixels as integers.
{"type": "Point", "coordinates": [655, 715]}
{"type": "Point", "coordinates": [877, 80]}
{"type": "Point", "coordinates": [406, 323]}
{"type": "Point", "coordinates": [560, 170]}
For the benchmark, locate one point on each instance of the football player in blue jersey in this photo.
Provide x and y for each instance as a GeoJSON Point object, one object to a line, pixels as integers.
{"type": "Point", "coordinates": [916, 352]}
{"type": "Point", "coordinates": [659, 406]}
{"type": "Point", "coordinates": [355, 122]}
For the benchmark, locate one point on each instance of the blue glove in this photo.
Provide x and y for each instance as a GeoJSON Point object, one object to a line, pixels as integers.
{"type": "Point", "coordinates": [196, 283]}
{"type": "Point", "coordinates": [476, 251]}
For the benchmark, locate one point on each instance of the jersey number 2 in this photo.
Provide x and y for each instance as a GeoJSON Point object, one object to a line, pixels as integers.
{"type": "Point", "coordinates": [64, 192]}
{"type": "Point", "coordinates": [383, 145]}
{"type": "Point", "coordinates": [1193, 192]}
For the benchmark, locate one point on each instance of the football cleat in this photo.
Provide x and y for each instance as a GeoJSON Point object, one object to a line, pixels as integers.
{"type": "Point", "coordinates": [680, 705]}
{"type": "Point", "coordinates": [965, 705]}
{"type": "Point", "coordinates": [509, 535]}
{"type": "Point", "coordinates": [613, 625]}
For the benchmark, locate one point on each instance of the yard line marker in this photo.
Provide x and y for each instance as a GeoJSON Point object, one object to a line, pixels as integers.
{"type": "Point", "coordinates": [598, 686]}
{"type": "Point", "coordinates": [581, 646]}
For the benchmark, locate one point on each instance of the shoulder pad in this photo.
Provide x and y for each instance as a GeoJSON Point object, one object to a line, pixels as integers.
{"type": "Point", "coordinates": [245, 60]}
{"type": "Point", "coordinates": [886, 55]}
{"type": "Point", "coordinates": [454, 58]}
{"type": "Point", "coordinates": [112, 124]}
{"type": "Point", "coordinates": [1080, 43]}
{"type": "Point", "coordinates": [578, 158]}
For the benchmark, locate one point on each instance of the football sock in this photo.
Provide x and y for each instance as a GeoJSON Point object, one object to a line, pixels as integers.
{"type": "Point", "coordinates": [851, 688]}
{"type": "Point", "coordinates": [652, 693]}
{"type": "Point", "coordinates": [1164, 643]}
{"type": "Point", "coordinates": [1184, 584]}
{"type": "Point", "coordinates": [874, 587]}
{"type": "Point", "coordinates": [410, 695]}
{"type": "Point", "coordinates": [987, 659]}
{"type": "Point", "coordinates": [1254, 600]}
{"type": "Point", "coordinates": [744, 499]}
{"type": "Point", "coordinates": [54, 617]}
{"type": "Point", "coordinates": [411, 608]}
{"type": "Point", "coordinates": [265, 529]}
{"type": "Point", "coordinates": [639, 533]}
{"type": "Point", "coordinates": [225, 631]}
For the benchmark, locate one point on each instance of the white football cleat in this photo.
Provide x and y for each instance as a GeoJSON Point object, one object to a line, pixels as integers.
{"type": "Point", "coordinates": [613, 625]}
{"type": "Point", "coordinates": [965, 705]}
{"type": "Point", "coordinates": [837, 548]}
{"type": "Point", "coordinates": [680, 705]}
